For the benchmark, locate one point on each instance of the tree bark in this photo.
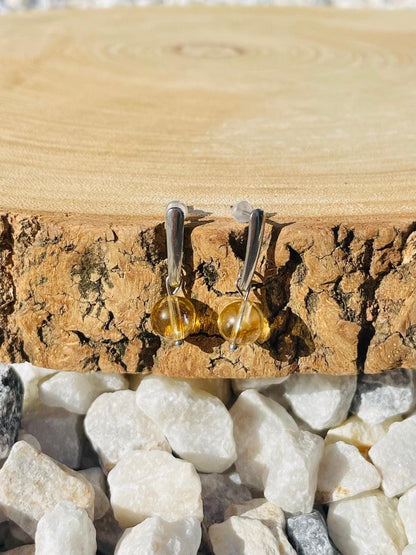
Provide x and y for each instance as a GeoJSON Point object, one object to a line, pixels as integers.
{"type": "Point", "coordinates": [77, 294]}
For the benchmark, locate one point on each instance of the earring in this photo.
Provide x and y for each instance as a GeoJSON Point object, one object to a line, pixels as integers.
{"type": "Point", "coordinates": [173, 317]}
{"type": "Point", "coordinates": [241, 322]}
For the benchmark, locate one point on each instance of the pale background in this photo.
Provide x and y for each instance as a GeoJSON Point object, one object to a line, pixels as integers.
{"type": "Point", "coordinates": [7, 6]}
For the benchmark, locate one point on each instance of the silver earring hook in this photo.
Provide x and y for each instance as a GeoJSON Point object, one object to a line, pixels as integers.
{"type": "Point", "coordinates": [254, 242]}
{"type": "Point", "coordinates": [176, 213]}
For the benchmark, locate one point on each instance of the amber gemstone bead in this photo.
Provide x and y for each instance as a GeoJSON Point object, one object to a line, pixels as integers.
{"type": "Point", "coordinates": [241, 322]}
{"type": "Point", "coordinates": [173, 317]}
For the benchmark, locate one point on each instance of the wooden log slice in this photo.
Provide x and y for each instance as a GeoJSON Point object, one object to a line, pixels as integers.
{"type": "Point", "coordinates": [108, 115]}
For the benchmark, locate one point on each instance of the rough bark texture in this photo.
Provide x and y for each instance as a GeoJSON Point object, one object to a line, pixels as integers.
{"type": "Point", "coordinates": [76, 293]}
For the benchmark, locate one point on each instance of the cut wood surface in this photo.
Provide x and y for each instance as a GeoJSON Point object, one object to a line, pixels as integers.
{"type": "Point", "coordinates": [108, 115]}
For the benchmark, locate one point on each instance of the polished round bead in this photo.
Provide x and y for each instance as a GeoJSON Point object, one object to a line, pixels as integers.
{"type": "Point", "coordinates": [174, 318]}
{"type": "Point", "coordinates": [240, 322]}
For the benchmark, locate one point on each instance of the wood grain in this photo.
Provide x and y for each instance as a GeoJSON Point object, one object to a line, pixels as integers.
{"type": "Point", "coordinates": [306, 112]}
{"type": "Point", "coordinates": [108, 115]}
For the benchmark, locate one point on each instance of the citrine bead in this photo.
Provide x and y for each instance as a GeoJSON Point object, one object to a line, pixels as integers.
{"type": "Point", "coordinates": [241, 322]}
{"type": "Point", "coordinates": [173, 317]}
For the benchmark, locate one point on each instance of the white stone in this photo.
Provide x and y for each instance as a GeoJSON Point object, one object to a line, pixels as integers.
{"type": "Point", "coordinates": [154, 483]}
{"type": "Point", "coordinates": [58, 431]}
{"type": "Point", "coordinates": [320, 401]}
{"type": "Point", "coordinates": [409, 549]}
{"type": "Point", "coordinates": [293, 474]}
{"type": "Point", "coordinates": [259, 423]}
{"type": "Point", "coordinates": [31, 376]}
{"type": "Point", "coordinates": [381, 396]}
{"type": "Point", "coordinates": [24, 436]}
{"type": "Point", "coordinates": [65, 529]}
{"type": "Point", "coordinates": [395, 457]}
{"type": "Point", "coordinates": [407, 512]}
{"type": "Point", "coordinates": [219, 387]}
{"type": "Point", "coordinates": [270, 515]}
{"type": "Point", "coordinates": [344, 472]}
{"type": "Point", "coordinates": [97, 479]}
{"type": "Point", "coordinates": [360, 433]}
{"type": "Point", "coordinates": [197, 425]}
{"type": "Point", "coordinates": [156, 536]}
{"type": "Point", "coordinates": [242, 536]}
{"type": "Point", "coordinates": [31, 483]}
{"type": "Point", "coordinates": [75, 391]}
{"type": "Point", "coordinates": [366, 524]}
{"type": "Point", "coordinates": [260, 384]}
{"type": "Point", "coordinates": [115, 426]}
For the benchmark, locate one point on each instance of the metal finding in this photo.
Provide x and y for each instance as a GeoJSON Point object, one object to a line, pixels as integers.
{"type": "Point", "coordinates": [254, 242]}
{"type": "Point", "coordinates": [233, 344]}
{"type": "Point", "coordinates": [174, 241]}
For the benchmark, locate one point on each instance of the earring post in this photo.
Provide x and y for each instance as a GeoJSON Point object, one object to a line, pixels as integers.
{"type": "Point", "coordinates": [175, 219]}
{"type": "Point", "coordinates": [254, 242]}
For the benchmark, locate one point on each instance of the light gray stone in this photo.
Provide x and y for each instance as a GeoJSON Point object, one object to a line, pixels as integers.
{"type": "Point", "coordinates": [270, 515]}
{"type": "Point", "coordinates": [259, 424]}
{"type": "Point", "coordinates": [318, 400]}
{"type": "Point", "coordinates": [409, 549]}
{"type": "Point", "coordinates": [218, 492]}
{"type": "Point", "coordinates": [292, 476]}
{"type": "Point", "coordinates": [343, 472]}
{"type": "Point", "coordinates": [242, 536]}
{"type": "Point", "coordinates": [309, 535]}
{"type": "Point", "coordinates": [89, 458]}
{"type": "Point", "coordinates": [97, 479]}
{"type": "Point", "coordinates": [155, 536]}
{"type": "Point", "coordinates": [59, 432]}
{"type": "Point", "coordinates": [166, 487]}
{"type": "Point", "coordinates": [366, 524]}
{"type": "Point", "coordinates": [395, 457]}
{"type": "Point", "coordinates": [196, 424]}
{"type": "Point", "coordinates": [31, 483]}
{"type": "Point", "coordinates": [407, 512]}
{"type": "Point", "coordinates": [108, 533]}
{"type": "Point", "coordinates": [65, 529]}
{"type": "Point", "coordinates": [75, 391]}
{"type": "Point", "coordinates": [19, 534]}
{"type": "Point", "coordinates": [115, 426]}
{"type": "Point", "coordinates": [381, 396]}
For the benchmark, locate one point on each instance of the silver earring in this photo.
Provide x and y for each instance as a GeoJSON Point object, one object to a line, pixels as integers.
{"type": "Point", "coordinates": [241, 321]}
{"type": "Point", "coordinates": [174, 317]}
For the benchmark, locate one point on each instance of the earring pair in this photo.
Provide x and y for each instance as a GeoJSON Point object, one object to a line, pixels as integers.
{"type": "Point", "coordinates": [240, 321]}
